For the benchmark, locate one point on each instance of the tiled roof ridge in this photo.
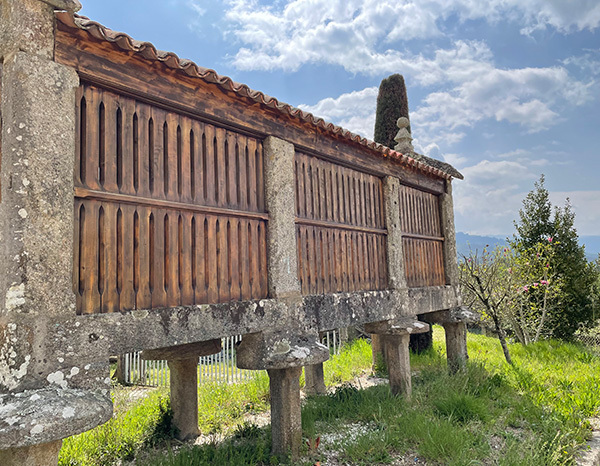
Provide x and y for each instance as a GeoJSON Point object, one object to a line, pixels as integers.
{"type": "Point", "coordinates": [148, 51]}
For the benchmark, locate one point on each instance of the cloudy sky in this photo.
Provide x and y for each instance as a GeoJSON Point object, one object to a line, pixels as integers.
{"type": "Point", "coordinates": [505, 90]}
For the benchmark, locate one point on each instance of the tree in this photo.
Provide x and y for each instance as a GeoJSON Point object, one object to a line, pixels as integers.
{"type": "Point", "coordinates": [539, 220]}
{"type": "Point", "coordinates": [392, 103]}
{"type": "Point", "coordinates": [537, 291]}
{"type": "Point", "coordinates": [487, 286]}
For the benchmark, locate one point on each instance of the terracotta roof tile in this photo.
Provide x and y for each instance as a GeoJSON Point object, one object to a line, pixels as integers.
{"type": "Point", "coordinates": [170, 59]}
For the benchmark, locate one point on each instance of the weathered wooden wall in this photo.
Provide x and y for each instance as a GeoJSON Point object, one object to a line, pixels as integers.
{"type": "Point", "coordinates": [422, 237]}
{"type": "Point", "coordinates": [339, 228]}
{"type": "Point", "coordinates": [169, 210]}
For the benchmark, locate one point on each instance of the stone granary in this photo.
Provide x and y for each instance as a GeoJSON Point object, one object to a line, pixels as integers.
{"type": "Point", "coordinates": [150, 204]}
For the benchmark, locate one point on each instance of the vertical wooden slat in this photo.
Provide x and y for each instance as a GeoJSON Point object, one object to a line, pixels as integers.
{"type": "Point", "coordinates": [126, 260]}
{"type": "Point", "coordinates": [129, 146]}
{"type": "Point", "coordinates": [210, 259]}
{"type": "Point", "coordinates": [251, 175]}
{"type": "Point", "coordinates": [260, 185]}
{"type": "Point", "coordinates": [246, 290]}
{"type": "Point", "coordinates": [108, 219]}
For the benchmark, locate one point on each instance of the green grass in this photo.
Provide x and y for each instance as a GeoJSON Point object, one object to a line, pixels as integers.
{"type": "Point", "coordinates": [144, 423]}
{"type": "Point", "coordinates": [533, 413]}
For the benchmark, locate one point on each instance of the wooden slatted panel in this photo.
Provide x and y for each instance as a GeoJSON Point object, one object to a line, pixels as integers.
{"type": "Point", "coordinates": [339, 228]}
{"type": "Point", "coordinates": [169, 210]}
{"type": "Point", "coordinates": [422, 237]}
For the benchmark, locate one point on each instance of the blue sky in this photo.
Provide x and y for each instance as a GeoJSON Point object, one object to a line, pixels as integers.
{"type": "Point", "coordinates": [503, 89]}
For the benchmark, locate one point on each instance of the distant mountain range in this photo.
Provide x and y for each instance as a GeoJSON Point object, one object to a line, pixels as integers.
{"type": "Point", "coordinates": [466, 242]}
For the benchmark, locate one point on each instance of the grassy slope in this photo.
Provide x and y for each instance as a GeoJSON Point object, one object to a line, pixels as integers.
{"type": "Point", "coordinates": [532, 414]}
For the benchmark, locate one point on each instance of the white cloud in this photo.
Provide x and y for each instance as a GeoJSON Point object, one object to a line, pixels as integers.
{"type": "Point", "coordinates": [487, 201]}
{"type": "Point", "coordinates": [356, 34]}
{"type": "Point", "coordinates": [354, 111]}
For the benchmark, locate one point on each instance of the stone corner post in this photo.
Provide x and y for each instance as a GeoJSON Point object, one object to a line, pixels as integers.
{"type": "Point", "coordinates": [456, 330]}
{"type": "Point", "coordinates": [51, 394]}
{"type": "Point", "coordinates": [291, 342]}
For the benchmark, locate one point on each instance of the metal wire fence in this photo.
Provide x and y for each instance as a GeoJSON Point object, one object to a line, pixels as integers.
{"type": "Point", "coordinates": [593, 341]}
{"type": "Point", "coordinates": [220, 367]}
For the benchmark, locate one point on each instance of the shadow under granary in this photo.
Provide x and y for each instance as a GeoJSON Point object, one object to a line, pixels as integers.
{"type": "Point", "coordinates": [151, 204]}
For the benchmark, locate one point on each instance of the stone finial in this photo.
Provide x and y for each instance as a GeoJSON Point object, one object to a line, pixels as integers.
{"type": "Point", "coordinates": [403, 137]}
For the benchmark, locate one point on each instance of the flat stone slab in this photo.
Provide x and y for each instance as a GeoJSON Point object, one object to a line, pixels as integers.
{"type": "Point", "coordinates": [400, 326]}
{"type": "Point", "coordinates": [39, 416]}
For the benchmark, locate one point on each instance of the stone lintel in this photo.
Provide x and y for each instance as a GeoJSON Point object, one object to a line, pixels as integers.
{"type": "Point", "coordinates": [182, 352]}
{"type": "Point", "coordinates": [83, 339]}
{"type": "Point", "coordinates": [40, 416]}
{"type": "Point", "coordinates": [400, 326]}
{"type": "Point", "coordinates": [263, 350]}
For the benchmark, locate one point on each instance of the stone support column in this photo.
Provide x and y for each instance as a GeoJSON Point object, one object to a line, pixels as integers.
{"type": "Point", "coordinates": [314, 379]}
{"type": "Point", "coordinates": [39, 381]}
{"type": "Point", "coordinates": [397, 358]}
{"type": "Point", "coordinates": [395, 337]}
{"type": "Point", "coordinates": [286, 422]}
{"type": "Point", "coordinates": [287, 345]}
{"type": "Point", "coordinates": [456, 332]}
{"type": "Point", "coordinates": [456, 345]}
{"type": "Point", "coordinates": [183, 367]}
{"type": "Point", "coordinates": [184, 396]}
{"type": "Point", "coordinates": [395, 254]}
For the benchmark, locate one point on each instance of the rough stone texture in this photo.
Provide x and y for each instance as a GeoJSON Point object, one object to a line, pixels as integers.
{"type": "Point", "coordinates": [36, 236]}
{"type": "Point", "coordinates": [40, 416]}
{"type": "Point", "coordinates": [450, 255]}
{"type": "Point", "coordinates": [26, 26]}
{"type": "Point", "coordinates": [456, 345]}
{"type": "Point", "coordinates": [286, 426]}
{"type": "Point", "coordinates": [455, 314]}
{"type": "Point", "coordinates": [39, 455]}
{"type": "Point", "coordinates": [397, 359]}
{"type": "Point", "coordinates": [399, 326]}
{"type": "Point", "coordinates": [266, 350]}
{"type": "Point", "coordinates": [280, 202]}
{"type": "Point", "coordinates": [314, 379]}
{"type": "Point", "coordinates": [395, 254]}
{"type": "Point", "coordinates": [68, 5]}
{"type": "Point", "coordinates": [41, 399]}
{"type": "Point", "coordinates": [184, 396]}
